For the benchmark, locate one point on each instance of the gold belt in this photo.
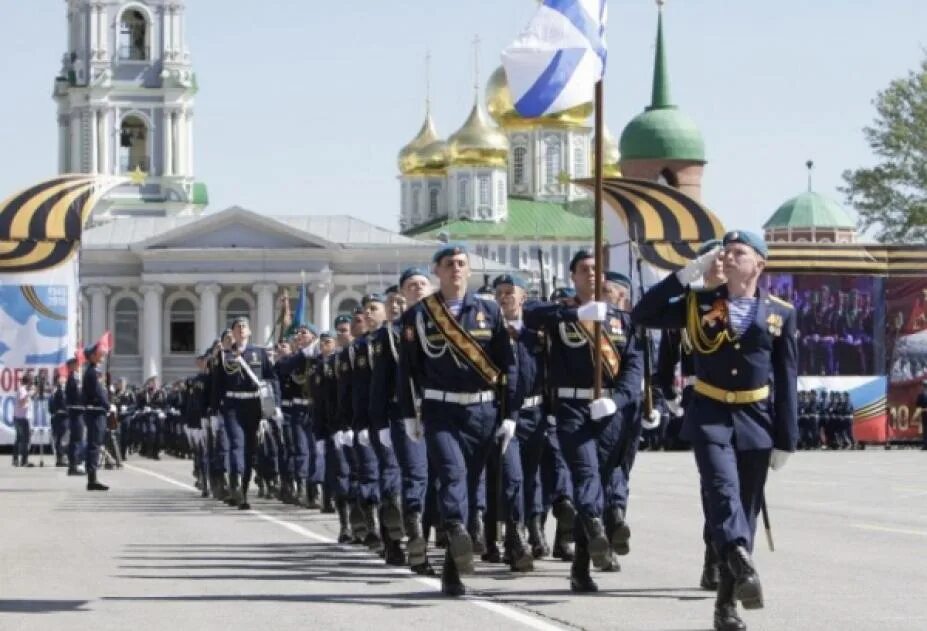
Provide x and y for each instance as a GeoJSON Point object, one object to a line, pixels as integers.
{"type": "Point", "coordinates": [740, 397]}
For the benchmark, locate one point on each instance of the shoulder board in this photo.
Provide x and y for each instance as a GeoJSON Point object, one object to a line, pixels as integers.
{"type": "Point", "coordinates": [781, 302]}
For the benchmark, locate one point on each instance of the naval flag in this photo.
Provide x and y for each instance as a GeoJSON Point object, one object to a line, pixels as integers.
{"type": "Point", "coordinates": [555, 63]}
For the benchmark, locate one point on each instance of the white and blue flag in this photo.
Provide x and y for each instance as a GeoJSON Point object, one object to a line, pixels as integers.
{"type": "Point", "coordinates": [555, 63]}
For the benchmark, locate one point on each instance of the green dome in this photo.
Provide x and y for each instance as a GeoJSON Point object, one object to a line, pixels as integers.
{"type": "Point", "coordinates": [810, 210]}
{"type": "Point", "coordinates": [663, 133]}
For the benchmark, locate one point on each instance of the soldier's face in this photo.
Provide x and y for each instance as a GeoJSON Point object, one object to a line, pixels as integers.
{"type": "Point", "coordinates": [584, 277]}
{"type": "Point", "coordinates": [395, 305]}
{"type": "Point", "coordinates": [742, 263]}
{"type": "Point", "coordinates": [327, 346]}
{"type": "Point", "coordinates": [415, 288]}
{"type": "Point", "coordinates": [344, 333]}
{"type": "Point", "coordinates": [374, 315]}
{"type": "Point", "coordinates": [453, 271]}
{"type": "Point", "coordinates": [241, 332]}
{"type": "Point", "coordinates": [511, 299]}
{"type": "Point", "coordinates": [617, 295]}
{"type": "Point", "coordinates": [358, 325]}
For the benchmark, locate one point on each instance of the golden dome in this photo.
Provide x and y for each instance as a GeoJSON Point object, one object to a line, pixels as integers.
{"type": "Point", "coordinates": [434, 157]}
{"type": "Point", "coordinates": [478, 143]}
{"type": "Point", "coordinates": [502, 108]}
{"type": "Point", "coordinates": [412, 157]}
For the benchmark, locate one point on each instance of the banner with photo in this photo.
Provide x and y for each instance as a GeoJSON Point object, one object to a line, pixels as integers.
{"type": "Point", "coordinates": [867, 396]}
{"type": "Point", "coordinates": [839, 321]}
{"type": "Point", "coordinates": [906, 342]}
{"type": "Point", "coordinates": [38, 331]}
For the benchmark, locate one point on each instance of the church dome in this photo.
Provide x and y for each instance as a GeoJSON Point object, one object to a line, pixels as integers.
{"type": "Point", "coordinates": [478, 143]}
{"type": "Point", "coordinates": [422, 149]}
{"type": "Point", "coordinates": [810, 210]}
{"type": "Point", "coordinates": [501, 107]}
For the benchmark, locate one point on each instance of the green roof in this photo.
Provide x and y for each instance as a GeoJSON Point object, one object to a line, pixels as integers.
{"type": "Point", "coordinates": [810, 210]}
{"type": "Point", "coordinates": [662, 131]}
{"type": "Point", "coordinates": [200, 195]}
{"type": "Point", "coordinates": [527, 219]}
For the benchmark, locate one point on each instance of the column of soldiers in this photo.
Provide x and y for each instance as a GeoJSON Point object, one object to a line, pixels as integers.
{"type": "Point", "coordinates": [464, 420]}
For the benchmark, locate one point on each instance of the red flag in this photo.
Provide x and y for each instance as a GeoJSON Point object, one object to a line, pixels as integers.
{"type": "Point", "coordinates": [105, 343]}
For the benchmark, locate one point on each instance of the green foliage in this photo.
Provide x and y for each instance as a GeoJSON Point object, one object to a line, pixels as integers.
{"type": "Point", "coordinates": [892, 196]}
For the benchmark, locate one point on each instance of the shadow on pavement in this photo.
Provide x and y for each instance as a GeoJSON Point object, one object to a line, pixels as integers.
{"type": "Point", "coordinates": [41, 606]}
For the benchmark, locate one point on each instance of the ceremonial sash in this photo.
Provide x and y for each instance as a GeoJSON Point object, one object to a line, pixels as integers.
{"type": "Point", "coordinates": [461, 340]}
{"type": "Point", "coordinates": [611, 359]}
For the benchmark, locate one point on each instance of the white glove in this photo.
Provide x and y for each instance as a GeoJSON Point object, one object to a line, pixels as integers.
{"type": "Point", "coordinates": [122, 409]}
{"type": "Point", "coordinates": [698, 267]}
{"type": "Point", "coordinates": [162, 416]}
{"type": "Point", "coordinates": [592, 311]}
{"type": "Point", "coordinates": [385, 439]}
{"type": "Point", "coordinates": [347, 436]}
{"type": "Point", "coordinates": [278, 415]}
{"type": "Point", "coordinates": [112, 408]}
{"type": "Point", "coordinates": [363, 438]}
{"type": "Point", "coordinates": [652, 421]}
{"type": "Point", "coordinates": [338, 439]}
{"type": "Point", "coordinates": [506, 432]}
{"type": "Point", "coordinates": [146, 409]}
{"type": "Point", "coordinates": [320, 447]}
{"type": "Point", "coordinates": [414, 429]}
{"type": "Point", "coordinates": [214, 423]}
{"type": "Point", "coordinates": [601, 408]}
{"type": "Point", "coordinates": [778, 459]}
{"type": "Point", "coordinates": [552, 420]}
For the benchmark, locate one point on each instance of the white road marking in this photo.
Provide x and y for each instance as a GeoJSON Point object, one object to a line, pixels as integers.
{"type": "Point", "coordinates": [434, 584]}
{"type": "Point", "coordinates": [898, 531]}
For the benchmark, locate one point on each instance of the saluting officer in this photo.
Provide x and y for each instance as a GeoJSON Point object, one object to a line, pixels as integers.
{"type": "Point", "coordinates": [743, 340]}
{"type": "Point", "coordinates": [237, 385]}
{"type": "Point", "coordinates": [581, 418]}
{"type": "Point", "coordinates": [96, 406]}
{"type": "Point", "coordinates": [457, 352]}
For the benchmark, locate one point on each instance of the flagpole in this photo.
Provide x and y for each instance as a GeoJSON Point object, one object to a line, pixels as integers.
{"type": "Point", "coordinates": [599, 271]}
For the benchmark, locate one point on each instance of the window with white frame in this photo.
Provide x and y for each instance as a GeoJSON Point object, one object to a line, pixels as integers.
{"type": "Point", "coordinates": [553, 161]}
{"type": "Point", "coordinates": [518, 165]}
{"type": "Point", "coordinates": [182, 329]}
{"type": "Point", "coordinates": [126, 327]}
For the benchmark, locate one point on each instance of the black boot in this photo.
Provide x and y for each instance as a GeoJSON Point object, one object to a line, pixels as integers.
{"type": "Point", "coordinates": [344, 531]}
{"type": "Point", "coordinates": [373, 540]}
{"type": "Point", "coordinates": [204, 483]}
{"type": "Point", "coordinates": [358, 522]}
{"type": "Point", "coordinates": [416, 546]}
{"type": "Point", "coordinates": [536, 538]}
{"type": "Point", "coordinates": [423, 569]}
{"type": "Point", "coordinates": [328, 507]}
{"type": "Point", "coordinates": [93, 484]}
{"type": "Point", "coordinates": [563, 547]}
{"type": "Point", "coordinates": [580, 579]}
{"type": "Point", "coordinates": [243, 504]}
{"type": "Point", "coordinates": [617, 530]}
{"type": "Point", "coordinates": [460, 548]}
{"type": "Point", "coordinates": [597, 546]}
{"type": "Point", "coordinates": [477, 534]}
{"type": "Point", "coordinates": [747, 587]}
{"type": "Point", "coordinates": [451, 585]}
{"type": "Point", "coordinates": [565, 514]}
{"type": "Point", "coordinates": [220, 489]}
{"type": "Point", "coordinates": [519, 552]}
{"type": "Point", "coordinates": [259, 482]}
{"type": "Point", "coordinates": [233, 497]}
{"type": "Point", "coordinates": [711, 572]}
{"type": "Point", "coordinates": [312, 497]}
{"type": "Point", "coordinates": [391, 518]}
{"type": "Point", "coordinates": [726, 618]}
{"type": "Point", "coordinates": [394, 553]}
{"type": "Point", "coordinates": [492, 554]}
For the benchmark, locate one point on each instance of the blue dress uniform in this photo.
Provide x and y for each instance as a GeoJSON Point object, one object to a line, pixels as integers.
{"type": "Point", "coordinates": [95, 399]}
{"type": "Point", "coordinates": [296, 373]}
{"type": "Point", "coordinates": [75, 407]}
{"type": "Point", "coordinates": [571, 375]}
{"type": "Point", "coordinates": [241, 410]}
{"type": "Point", "coordinates": [459, 407]}
{"type": "Point", "coordinates": [732, 421]}
{"type": "Point", "coordinates": [196, 411]}
{"type": "Point", "coordinates": [58, 408]}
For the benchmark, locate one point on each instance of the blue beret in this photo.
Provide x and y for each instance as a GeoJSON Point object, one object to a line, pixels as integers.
{"type": "Point", "coordinates": [366, 300]}
{"type": "Point", "coordinates": [509, 279]}
{"type": "Point", "coordinates": [746, 237]}
{"type": "Point", "coordinates": [392, 289]}
{"type": "Point", "coordinates": [358, 310]}
{"type": "Point", "coordinates": [708, 246]}
{"type": "Point", "coordinates": [409, 273]}
{"type": "Point", "coordinates": [307, 326]}
{"type": "Point", "coordinates": [582, 255]}
{"type": "Point", "coordinates": [450, 249]}
{"type": "Point", "coordinates": [618, 278]}
{"type": "Point", "coordinates": [562, 292]}
{"type": "Point", "coordinates": [90, 350]}
{"type": "Point", "coordinates": [343, 319]}
{"type": "Point", "coordinates": [326, 335]}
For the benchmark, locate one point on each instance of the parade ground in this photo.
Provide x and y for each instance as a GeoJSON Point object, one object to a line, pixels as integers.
{"type": "Point", "coordinates": [850, 532]}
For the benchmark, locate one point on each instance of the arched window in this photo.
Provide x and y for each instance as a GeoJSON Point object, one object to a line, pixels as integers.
{"type": "Point", "coordinates": [133, 36]}
{"type": "Point", "coordinates": [348, 305]}
{"type": "Point", "coordinates": [579, 160]}
{"type": "Point", "coordinates": [416, 212]}
{"type": "Point", "coordinates": [553, 162]}
{"type": "Point", "coordinates": [182, 329]}
{"type": "Point", "coordinates": [126, 327]}
{"type": "Point", "coordinates": [518, 168]}
{"type": "Point", "coordinates": [500, 194]}
{"type": "Point", "coordinates": [668, 178]}
{"type": "Point", "coordinates": [463, 195]}
{"type": "Point", "coordinates": [433, 203]}
{"type": "Point", "coordinates": [133, 145]}
{"type": "Point", "coordinates": [237, 308]}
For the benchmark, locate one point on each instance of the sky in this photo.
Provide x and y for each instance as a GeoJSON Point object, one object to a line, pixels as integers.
{"type": "Point", "coordinates": [304, 104]}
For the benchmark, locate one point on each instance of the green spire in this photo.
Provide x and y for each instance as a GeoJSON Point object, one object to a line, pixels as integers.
{"type": "Point", "coordinates": [661, 88]}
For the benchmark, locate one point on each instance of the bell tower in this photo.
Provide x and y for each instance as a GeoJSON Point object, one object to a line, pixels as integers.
{"type": "Point", "coordinates": [125, 97]}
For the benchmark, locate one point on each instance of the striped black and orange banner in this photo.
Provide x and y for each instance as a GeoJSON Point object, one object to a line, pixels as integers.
{"type": "Point", "coordinates": [842, 258]}
{"type": "Point", "coordinates": [668, 225]}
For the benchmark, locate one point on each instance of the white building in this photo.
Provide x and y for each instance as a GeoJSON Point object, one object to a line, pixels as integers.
{"type": "Point", "coordinates": [154, 270]}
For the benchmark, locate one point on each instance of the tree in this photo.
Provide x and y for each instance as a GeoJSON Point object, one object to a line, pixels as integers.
{"type": "Point", "coordinates": [892, 196]}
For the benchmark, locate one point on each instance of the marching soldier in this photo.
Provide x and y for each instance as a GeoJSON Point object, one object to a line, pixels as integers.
{"type": "Point", "coordinates": [96, 406]}
{"type": "Point", "coordinates": [58, 408]}
{"type": "Point", "coordinates": [337, 465]}
{"type": "Point", "coordinates": [197, 404]}
{"type": "Point", "coordinates": [75, 406]}
{"type": "Point", "coordinates": [457, 353]}
{"type": "Point", "coordinates": [581, 418]}
{"type": "Point", "coordinates": [743, 340]}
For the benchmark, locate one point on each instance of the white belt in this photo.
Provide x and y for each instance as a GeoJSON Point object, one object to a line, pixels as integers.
{"type": "Point", "coordinates": [532, 402]}
{"type": "Point", "coordinates": [75, 407]}
{"type": "Point", "coordinates": [689, 381]}
{"type": "Point", "coordinates": [581, 394]}
{"type": "Point", "coordinates": [460, 398]}
{"type": "Point", "coordinates": [292, 402]}
{"type": "Point", "coordinates": [300, 401]}
{"type": "Point", "coordinates": [242, 395]}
